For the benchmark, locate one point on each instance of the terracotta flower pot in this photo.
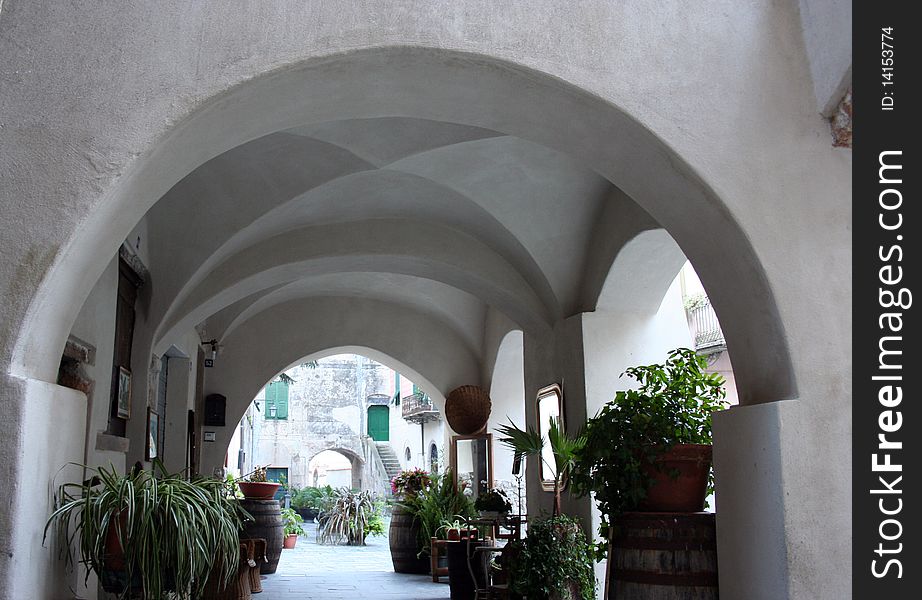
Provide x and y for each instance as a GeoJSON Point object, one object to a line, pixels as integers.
{"type": "Point", "coordinates": [290, 540]}
{"type": "Point", "coordinates": [687, 491]}
{"type": "Point", "coordinates": [258, 490]}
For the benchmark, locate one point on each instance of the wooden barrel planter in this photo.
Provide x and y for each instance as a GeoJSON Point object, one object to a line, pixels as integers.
{"type": "Point", "coordinates": [403, 538]}
{"type": "Point", "coordinates": [663, 556]}
{"type": "Point", "coordinates": [267, 524]}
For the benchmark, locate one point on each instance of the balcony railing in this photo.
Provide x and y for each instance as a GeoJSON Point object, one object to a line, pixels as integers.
{"type": "Point", "coordinates": [418, 408]}
{"type": "Point", "coordinates": [705, 328]}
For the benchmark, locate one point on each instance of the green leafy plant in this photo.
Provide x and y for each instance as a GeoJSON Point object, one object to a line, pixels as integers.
{"type": "Point", "coordinates": [441, 531]}
{"type": "Point", "coordinates": [314, 498]}
{"type": "Point", "coordinates": [672, 405]}
{"type": "Point", "coordinates": [347, 520]}
{"type": "Point", "coordinates": [292, 522]}
{"type": "Point", "coordinates": [553, 562]}
{"type": "Point", "coordinates": [494, 500]}
{"type": "Point", "coordinates": [435, 505]}
{"type": "Point", "coordinates": [172, 531]}
{"type": "Point", "coordinates": [531, 443]}
{"type": "Point", "coordinates": [375, 527]}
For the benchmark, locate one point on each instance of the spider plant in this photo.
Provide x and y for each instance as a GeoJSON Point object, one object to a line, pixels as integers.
{"type": "Point", "coordinates": [531, 443]}
{"type": "Point", "coordinates": [163, 532]}
{"type": "Point", "coordinates": [347, 519]}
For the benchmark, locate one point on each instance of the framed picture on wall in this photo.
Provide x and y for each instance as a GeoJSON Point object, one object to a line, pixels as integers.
{"type": "Point", "coordinates": [124, 393]}
{"type": "Point", "coordinates": [153, 426]}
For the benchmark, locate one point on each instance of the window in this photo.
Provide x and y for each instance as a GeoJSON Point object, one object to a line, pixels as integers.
{"type": "Point", "coordinates": [277, 474]}
{"type": "Point", "coordinates": [407, 454]}
{"type": "Point", "coordinates": [277, 400]}
{"type": "Point", "coordinates": [433, 459]}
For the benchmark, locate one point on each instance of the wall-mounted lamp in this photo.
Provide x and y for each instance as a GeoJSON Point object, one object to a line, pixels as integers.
{"type": "Point", "coordinates": [212, 354]}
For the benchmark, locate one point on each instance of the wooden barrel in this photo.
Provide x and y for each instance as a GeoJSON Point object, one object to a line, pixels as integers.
{"type": "Point", "coordinates": [663, 556]}
{"type": "Point", "coordinates": [266, 524]}
{"type": "Point", "coordinates": [403, 537]}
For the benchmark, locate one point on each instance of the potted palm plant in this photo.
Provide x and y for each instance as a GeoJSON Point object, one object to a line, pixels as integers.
{"type": "Point", "coordinates": [149, 532]}
{"type": "Point", "coordinates": [649, 449]}
{"type": "Point", "coordinates": [531, 443]}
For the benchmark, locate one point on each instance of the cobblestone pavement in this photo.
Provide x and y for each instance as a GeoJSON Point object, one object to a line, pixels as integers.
{"type": "Point", "coordinates": [314, 572]}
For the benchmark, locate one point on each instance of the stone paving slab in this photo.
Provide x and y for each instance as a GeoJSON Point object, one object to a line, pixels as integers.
{"type": "Point", "coordinates": [314, 572]}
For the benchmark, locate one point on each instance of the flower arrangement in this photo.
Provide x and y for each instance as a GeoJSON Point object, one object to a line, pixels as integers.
{"type": "Point", "coordinates": [410, 483]}
{"type": "Point", "coordinates": [493, 500]}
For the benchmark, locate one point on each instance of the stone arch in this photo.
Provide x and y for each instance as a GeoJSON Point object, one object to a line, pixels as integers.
{"type": "Point", "coordinates": [356, 461]}
{"type": "Point", "coordinates": [368, 83]}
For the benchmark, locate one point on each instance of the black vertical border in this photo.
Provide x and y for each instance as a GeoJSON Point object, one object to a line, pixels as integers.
{"type": "Point", "coordinates": [875, 131]}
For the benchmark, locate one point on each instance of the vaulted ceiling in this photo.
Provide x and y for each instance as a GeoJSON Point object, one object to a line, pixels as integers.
{"type": "Point", "coordinates": [437, 219]}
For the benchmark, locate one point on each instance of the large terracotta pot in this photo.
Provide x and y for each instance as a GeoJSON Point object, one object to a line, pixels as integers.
{"type": "Point", "coordinates": [290, 540]}
{"type": "Point", "coordinates": [258, 490]}
{"type": "Point", "coordinates": [687, 491]}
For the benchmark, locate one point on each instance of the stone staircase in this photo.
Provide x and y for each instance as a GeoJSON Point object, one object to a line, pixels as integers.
{"type": "Point", "coordinates": [389, 458]}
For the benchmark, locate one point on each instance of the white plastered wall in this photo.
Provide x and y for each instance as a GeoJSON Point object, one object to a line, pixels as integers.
{"type": "Point", "coordinates": [507, 391]}
{"type": "Point", "coordinates": [40, 574]}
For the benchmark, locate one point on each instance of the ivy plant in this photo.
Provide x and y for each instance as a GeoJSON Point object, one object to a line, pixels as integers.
{"type": "Point", "coordinates": [554, 562]}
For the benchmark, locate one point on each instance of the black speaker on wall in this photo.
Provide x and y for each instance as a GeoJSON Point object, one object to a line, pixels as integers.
{"type": "Point", "coordinates": [215, 405]}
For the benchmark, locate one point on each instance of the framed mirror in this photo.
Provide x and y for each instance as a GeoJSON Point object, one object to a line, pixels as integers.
{"type": "Point", "coordinates": [471, 461]}
{"type": "Point", "coordinates": [550, 406]}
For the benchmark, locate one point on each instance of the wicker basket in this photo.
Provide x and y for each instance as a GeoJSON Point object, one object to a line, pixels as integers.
{"type": "Point", "coordinates": [467, 409]}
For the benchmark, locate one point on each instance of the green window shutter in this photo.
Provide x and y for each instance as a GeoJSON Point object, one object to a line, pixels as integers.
{"type": "Point", "coordinates": [281, 400]}
{"type": "Point", "coordinates": [271, 406]}
{"type": "Point", "coordinates": [277, 400]}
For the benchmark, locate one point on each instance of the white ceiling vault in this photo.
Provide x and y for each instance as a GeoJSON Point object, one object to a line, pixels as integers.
{"type": "Point", "coordinates": [443, 220]}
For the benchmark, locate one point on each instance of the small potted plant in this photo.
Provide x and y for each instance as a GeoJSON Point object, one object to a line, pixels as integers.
{"type": "Point", "coordinates": [649, 448]}
{"type": "Point", "coordinates": [292, 523]}
{"type": "Point", "coordinates": [454, 530]}
{"type": "Point", "coordinates": [255, 487]}
{"type": "Point", "coordinates": [493, 504]}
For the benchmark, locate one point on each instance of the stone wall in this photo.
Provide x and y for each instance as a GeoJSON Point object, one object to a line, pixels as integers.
{"type": "Point", "coordinates": [328, 410]}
